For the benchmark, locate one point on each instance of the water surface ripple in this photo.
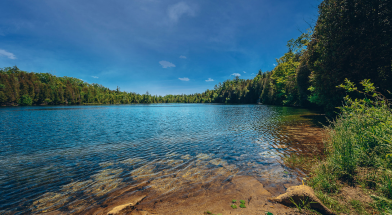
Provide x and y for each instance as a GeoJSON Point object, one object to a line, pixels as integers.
{"type": "Point", "coordinates": [64, 158]}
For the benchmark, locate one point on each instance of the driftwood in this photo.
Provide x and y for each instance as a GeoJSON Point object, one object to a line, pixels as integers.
{"type": "Point", "coordinates": [302, 195]}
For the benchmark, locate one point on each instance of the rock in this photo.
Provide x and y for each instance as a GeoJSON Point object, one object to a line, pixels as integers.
{"type": "Point", "coordinates": [140, 213]}
{"type": "Point", "coordinates": [304, 193]}
{"type": "Point", "coordinates": [117, 209]}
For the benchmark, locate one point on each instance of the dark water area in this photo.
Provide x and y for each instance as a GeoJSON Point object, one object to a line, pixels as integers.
{"type": "Point", "coordinates": [71, 158]}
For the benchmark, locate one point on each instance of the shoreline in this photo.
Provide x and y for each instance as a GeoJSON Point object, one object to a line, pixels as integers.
{"type": "Point", "coordinates": [212, 194]}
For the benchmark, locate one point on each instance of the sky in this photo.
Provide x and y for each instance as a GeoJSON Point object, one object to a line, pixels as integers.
{"type": "Point", "coordinates": [163, 47]}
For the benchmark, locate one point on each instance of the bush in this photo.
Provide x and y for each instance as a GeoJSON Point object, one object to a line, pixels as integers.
{"type": "Point", "coordinates": [359, 146]}
{"type": "Point", "coordinates": [25, 100]}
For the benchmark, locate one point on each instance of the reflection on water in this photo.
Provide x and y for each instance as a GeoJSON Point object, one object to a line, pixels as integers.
{"type": "Point", "coordinates": [71, 158]}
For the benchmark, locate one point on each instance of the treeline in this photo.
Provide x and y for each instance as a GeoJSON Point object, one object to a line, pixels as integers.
{"type": "Point", "coordinates": [23, 88]}
{"type": "Point", "coordinates": [351, 39]}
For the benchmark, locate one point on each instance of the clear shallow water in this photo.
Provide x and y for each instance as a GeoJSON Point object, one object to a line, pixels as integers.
{"type": "Point", "coordinates": [65, 158]}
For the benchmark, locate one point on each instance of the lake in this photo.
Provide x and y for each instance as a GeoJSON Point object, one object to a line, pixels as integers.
{"type": "Point", "coordinates": [69, 158]}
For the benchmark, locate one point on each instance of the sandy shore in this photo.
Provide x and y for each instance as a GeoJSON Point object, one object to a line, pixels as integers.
{"type": "Point", "coordinates": [199, 199]}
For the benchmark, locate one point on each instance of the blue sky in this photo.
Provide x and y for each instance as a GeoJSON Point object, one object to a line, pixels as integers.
{"type": "Point", "coordinates": [165, 47]}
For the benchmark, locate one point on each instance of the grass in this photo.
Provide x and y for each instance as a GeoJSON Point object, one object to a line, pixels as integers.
{"type": "Point", "coordinates": [359, 154]}
{"type": "Point", "coordinates": [333, 203]}
{"type": "Point", "coordinates": [357, 205]}
{"type": "Point", "coordinates": [300, 161]}
{"type": "Point", "coordinates": [303, 204]}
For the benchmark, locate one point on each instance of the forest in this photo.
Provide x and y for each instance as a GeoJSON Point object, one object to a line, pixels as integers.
{"type": "Point", "coordinates": [351, 40]}
{"type": "Point", "coordinates": [342, 66]}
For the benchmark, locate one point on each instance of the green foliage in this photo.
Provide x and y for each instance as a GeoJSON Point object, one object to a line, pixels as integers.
{"type": "Point", "coordinates": [357, 205]}
{"type": "Point", "coordinates": [382, 204]}
{"type": "Point", "coordinates": [332, 203]}
{"type": "Point", "coordinates": [268, 213]}
{"type": "Point", "coordinates": [242, 201]}
{"type": "Point", "coordinates": [233, 206]}
{"type": "Point", "coordinates": [25, 100]}
{"type": "Point", "coordinates": [359, 146]}
{"type": "Point", "coordinates": [284, 76]}
{"type": "Point", "coordinates": [234, 201]}
{"type": "Point", "coordinates": [351, 40]}
{"type": "Point", "coordinates": [298, 46]}
{"type": "Point", "coordinates": [303, 204]}
{"type": "Point", "coordinates": [45, 88]}
{"type": "Point", "coordinates": [323, 178]}
{"type": "Point", "coordinates": [363, 133]}
{"type": "Point", "coordinates": [242, 205]}
{"type": "Point", "coordinates": [3, 97]}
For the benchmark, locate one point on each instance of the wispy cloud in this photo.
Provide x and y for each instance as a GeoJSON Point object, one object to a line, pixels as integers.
{"type": "Point", "coordinates": [236, 74]}
{"type": "Point", "coordinates": [243, 71]}
{"type": "Point", "coordinates": [183, 57]}
{"type": "Point", "coordinates": [184, 79]}
{"type": "Point", "coordinates": [7, 54]}
{"type": "Point", "coordinates": [274, 64]}
{"type": "Point", "coordinates": [209, 79]}
{"type": "Point", "coordinates": [252, 74]}
{"type": "Point", "coordinates": [166, 64]}
{"type": "Point", "coordinates": [95, 76]}
{"type": "Point", "coordinates": [177, 10]}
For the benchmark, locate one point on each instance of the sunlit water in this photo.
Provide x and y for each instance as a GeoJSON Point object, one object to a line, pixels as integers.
{"type": "Point", "coordinates": [64, 158]}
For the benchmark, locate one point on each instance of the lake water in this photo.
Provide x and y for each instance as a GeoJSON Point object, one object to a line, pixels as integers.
{"type": "Point", "coordinates": [67, 158]}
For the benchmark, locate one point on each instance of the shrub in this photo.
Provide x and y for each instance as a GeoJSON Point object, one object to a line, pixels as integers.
{"type": "Point", "coordinates": [359, 147]}
{"type": "Point", "coordinates": [25, 100]}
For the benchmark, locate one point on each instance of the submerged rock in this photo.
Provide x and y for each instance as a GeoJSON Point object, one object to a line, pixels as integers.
{"type": "Point", "coordinates": [302, 194]}
{"type": "Point", "coordinates": [133, 202]}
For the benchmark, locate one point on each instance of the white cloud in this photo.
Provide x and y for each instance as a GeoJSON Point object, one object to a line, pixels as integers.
{"type": "Point", "coordinates": [243, 71]}
{"type": "Point", "coordinates": [7, 54]}
{"type": "Point", "coordinates": [177, 10]}
{"type": "Point", "coordinates": [166, 64]}
{"type": "Point", "coordinates": [209, 79]}
{"type": "Point", "coordinates": [95, 76]}
{"type": "Point", "coordinates": [236, 74]}
{"type": "Point", "coordinates": [182, 56]}
{"type": "Point", "coordinates": [274, 64]}
{"type": "Point", "coordinates": [184, 79]}
{"type": "Point", "coordinates": [252, 74]}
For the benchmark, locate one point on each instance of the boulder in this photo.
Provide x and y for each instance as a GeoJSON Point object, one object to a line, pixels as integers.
{"type": "Point", "coordinates": [302, 194]}
{"type": "Point", "coordinates": [119, 208]}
